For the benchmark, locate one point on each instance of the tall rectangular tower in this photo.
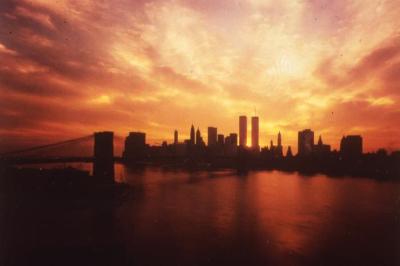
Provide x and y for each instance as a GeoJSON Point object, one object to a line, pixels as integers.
{"type": "Point", "coordinates": [233, 139]}
{"type": "Point", "coordinates": [351, 146]}
{"type": "Point", "coordinates": [135, 146]}
{"type": "Point", "coordinates": [242, 130]}
{"type": "Point", "coordinates": [220, 140]}
{"type": "Point", "coordinates": [305, 142]}
{"type": "Point", "coordinates": [212, 136]}
{"type": "Point", "coordinates": [254, 132]}
{"type": "Point", "coordinates": [176, 137]}
{"type": "Point", "coordinates": [103, 164]}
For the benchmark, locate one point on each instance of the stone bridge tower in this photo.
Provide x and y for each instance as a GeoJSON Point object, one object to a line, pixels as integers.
{"type": "Point", "coordinates": [103, 164]}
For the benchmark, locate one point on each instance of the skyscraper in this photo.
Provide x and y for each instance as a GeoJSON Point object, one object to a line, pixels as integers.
{"type": "Point", "coordinates": [233, 139]}
{"type": "Point", "coordinates": [192, 136]}
{"type": "Point", "coordinates": [305, 142]}
{"type": "Point", "coordinates": [254, 133]}
{"type": "Point", "coordinates": [289, 153]}
{"type": "Point", "coordinates": [243, 130]}
{"type": "Point", "coordinates": [220, 140]}
{"type": "Point", "coordinates": [279, 139]}
{"type": "Point", "coordinates": [135, 146]}
{"type": "Point", "coordinates": [198, 137]}
{"type": "Point", "coordinates": [176, 137]}
{"type": "Point", "coordinates": [279, 149]}
{"type": "Point", "coordinates": [230, 145]}
{"type": "Point", "coordinates": [212, 136]}
{"type": "Point", "coordinates": [351, 146]}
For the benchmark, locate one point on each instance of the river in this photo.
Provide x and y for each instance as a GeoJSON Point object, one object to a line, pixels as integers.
{"type": "Point", "coordinates": [258, 218]}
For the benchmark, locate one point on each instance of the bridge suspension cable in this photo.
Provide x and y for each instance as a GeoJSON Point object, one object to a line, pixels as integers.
{"type": "Point", "coordinates": [75, 140]}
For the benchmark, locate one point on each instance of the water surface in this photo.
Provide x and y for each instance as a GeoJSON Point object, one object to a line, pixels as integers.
{"type": "Point", "coordinates": [197, 218]}
{"type": "Point", "coordinates": [222, 218]}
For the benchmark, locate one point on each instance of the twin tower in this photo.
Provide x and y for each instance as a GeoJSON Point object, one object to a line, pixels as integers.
{"type": "Point", "coordinates": [254, 132]}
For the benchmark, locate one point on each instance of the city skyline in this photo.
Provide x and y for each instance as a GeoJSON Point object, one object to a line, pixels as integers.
{"type": "Point", "coordinates": [306, 144]}
{"type": "Point", "coordinates": [195, 137]}
{"type": "Point", "coordinates": [136, 66]}
{"type": "Point", "coordinates": [264, 138]}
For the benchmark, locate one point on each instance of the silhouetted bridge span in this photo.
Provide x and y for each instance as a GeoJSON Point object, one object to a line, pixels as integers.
{"type": "Point", "coordinates": [23, 160]}
{"type": "Point", "coordinates": [103, 158]}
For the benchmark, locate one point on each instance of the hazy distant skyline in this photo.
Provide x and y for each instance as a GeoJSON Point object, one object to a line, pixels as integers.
{"type": "Point", "coordinates": [69, 68]}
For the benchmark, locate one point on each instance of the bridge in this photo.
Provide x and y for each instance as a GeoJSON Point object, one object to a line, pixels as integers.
{"type": "Point", "coordinates": [103, 158]}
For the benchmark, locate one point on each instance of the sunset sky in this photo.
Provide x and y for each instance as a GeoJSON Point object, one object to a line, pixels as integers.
{"type": "Point", "coordinates": [69, 68]}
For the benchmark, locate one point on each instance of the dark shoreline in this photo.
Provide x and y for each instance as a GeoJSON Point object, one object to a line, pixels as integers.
{"type": "Point", "coordinates": [365, 167]}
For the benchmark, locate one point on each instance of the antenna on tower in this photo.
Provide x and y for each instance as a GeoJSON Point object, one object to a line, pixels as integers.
{"type": "Point", "coordinates": [255, 111]}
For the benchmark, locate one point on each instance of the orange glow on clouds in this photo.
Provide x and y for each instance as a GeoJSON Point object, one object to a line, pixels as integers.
{"type": "Point", "coordinates": [73, 67]}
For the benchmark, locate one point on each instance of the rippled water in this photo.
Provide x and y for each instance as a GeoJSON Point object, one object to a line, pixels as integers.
{"type": "Point", "coordinates": [257, 218]}
{"type": "Point", "coordinates": [261, 217]}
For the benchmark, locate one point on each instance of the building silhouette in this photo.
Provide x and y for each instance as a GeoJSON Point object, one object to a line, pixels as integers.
{"type": "Point", "coordinates": [212, 136]}
{"type": "Point", "coordinates": [232, 139]}
{"type": "Point", "coordinates": [255, 133]}
{"type": "Point", "coordinates": [305, 142]}
{"type": "Point", "coordinates": [279, 148]}
{"type": "Point", "coordinates": [180, 149]}
{"type": "Point", "coordinates": [230, 145]}
{"type": "Point", "coordinates": [321, 149]}
{"type": "Point", "coordinates": [192, 136]}
{"type": "Point", "coordinates": [198, 137]}
{"type": "Point", "coordinates": [176, 137]}
{"type": "Point", "coordinates": [279, 139]}
{"type": "Point", "coordinates": [289, 153]}
{"type": "Point", "coordinates": [351, 146]}
{"type": "Point", "coordinates": [272, 147]}
{"type": "Point", "coordinates": [135, 146]}
{"type": "Point", "coordinates": [220, 139]}
{"type": "Point", "coordinates": [242, 131]}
